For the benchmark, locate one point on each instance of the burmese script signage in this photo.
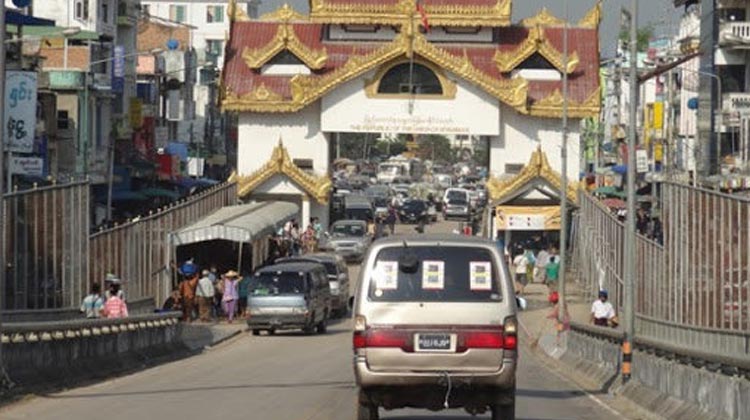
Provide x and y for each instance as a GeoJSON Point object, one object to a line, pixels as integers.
{"type": "Point", "coordinates": [348, 110]}
{"type": "Point", "coordinates": [409, 124]}
{"type": "Point", "coordinates": [527, 218]}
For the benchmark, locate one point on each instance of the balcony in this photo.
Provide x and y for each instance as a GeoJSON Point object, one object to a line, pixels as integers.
{"type": "Point", "coordinates": [126, 14]}
{"type": "Point", "coordinates": [735, 35]}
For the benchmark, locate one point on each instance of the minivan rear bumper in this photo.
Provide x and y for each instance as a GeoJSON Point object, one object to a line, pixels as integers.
{"type": "Point", "coordinates": [505, 377]}
{"type": "Point", "coordinates": [278, 321]}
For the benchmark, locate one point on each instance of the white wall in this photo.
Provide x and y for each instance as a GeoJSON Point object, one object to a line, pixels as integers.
{"type": "Point", "coordinates": [348, 109]}
{"type": "Point", "coordinates": [300, 132]}
{"type": "Point", "coordinates": [522, 134]}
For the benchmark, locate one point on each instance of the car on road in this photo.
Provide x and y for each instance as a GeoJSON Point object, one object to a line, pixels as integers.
{"type": "Point", "coordinates": [457, 208]}
{"type": "Point", "coordinates": [435, 326]}
{"type": "Point", "coordinates": [338, 277]}
{"type": "Point", "coordinates": [286, 296]}
{"type": "Point", "coordinates": [414, 211]}
{"type": "Point", "coordinates": [359, 207]}
{"type": "Point", "coordinates": [347, 238]}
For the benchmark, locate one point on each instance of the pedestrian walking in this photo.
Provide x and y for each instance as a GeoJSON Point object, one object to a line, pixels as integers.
{"type": "Point", "coordinates": [520, 263]}
{"type": "Point", "coordinates": [308, 240]}
{"type": "Point", "coordinates": [230, 294]}
{"type": "Point", "coordinates": [391, 219]}
{"type": "Point", "coordinates": [205, 293]}
{"type": "Point", "coordinates": [540, 274]}
{"type": "Point", "coordinates": [187, 294]}
{"type": "Point", "coordinates": [243, 290]}
{"type": "Point", "coordinates": [115, 306]}
{"type": "Point", "coordinates": [109, 280]}
{"type": "Point", "coordinates": [93, 303]}
{"type": "Point", "coordinates": [552, 270]}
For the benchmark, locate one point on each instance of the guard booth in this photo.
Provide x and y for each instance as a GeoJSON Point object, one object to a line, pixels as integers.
{"type": "Point", "coordinates": [234, 237]}
{"type": "Point", "coordinates": [526, 207]}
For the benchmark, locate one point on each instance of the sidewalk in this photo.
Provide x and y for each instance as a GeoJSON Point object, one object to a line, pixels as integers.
{"type": "Point", "coordinates": [538, 320]}
{"type": "Point", "coordinates": [199, 335]}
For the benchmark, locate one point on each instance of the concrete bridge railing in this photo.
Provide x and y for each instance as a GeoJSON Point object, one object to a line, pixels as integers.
{"type": "Point", "coordinates": [39, 353]}
{"type": "Point", "coordinates": [664, 375]}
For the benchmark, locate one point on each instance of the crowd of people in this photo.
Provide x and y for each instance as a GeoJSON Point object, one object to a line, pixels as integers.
{"type": "Point", "coordinates": [540, 264]}
{"type": "Point", "coordinates": [207, 296]}
{"type": "Point", "coordinates": [111, 304]}
{"type": "Point", "coordinates": [290, 240]}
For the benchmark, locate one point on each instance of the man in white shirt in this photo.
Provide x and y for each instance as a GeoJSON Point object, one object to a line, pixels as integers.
{"type": "Point", "coordinates": [205, 294]}
{"type": "Point", "coordinates": [520, 263]}
{"type": "Point", "coordinates": [602, 312]}
{"type": "Point", "coordinates": [540, 272]}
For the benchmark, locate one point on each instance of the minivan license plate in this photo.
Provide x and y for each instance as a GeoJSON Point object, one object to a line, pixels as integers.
{"type": "Point", "coordinates": [434, 342]}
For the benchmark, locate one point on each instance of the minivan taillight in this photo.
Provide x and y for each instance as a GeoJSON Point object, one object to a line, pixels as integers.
{"type": "Point", "coordinates": [483, 340]}
{"type": "Point", "coordinates": [382, 338]}
{"type": "Point", "coordinates": [510, 331]}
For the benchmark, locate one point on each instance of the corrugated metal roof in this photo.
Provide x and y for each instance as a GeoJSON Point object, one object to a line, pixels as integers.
{"type": "Point", "coordinates": [242, 223]}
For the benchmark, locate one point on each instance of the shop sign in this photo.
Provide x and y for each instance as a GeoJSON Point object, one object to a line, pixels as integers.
{"type": "Point", "coordinates": [31, 166]}
{"type": "Point", "coordinates": [20, 110]}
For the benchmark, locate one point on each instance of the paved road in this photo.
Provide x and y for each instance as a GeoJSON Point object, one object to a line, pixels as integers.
{"type": "Point", "coordinates": [285, 377]}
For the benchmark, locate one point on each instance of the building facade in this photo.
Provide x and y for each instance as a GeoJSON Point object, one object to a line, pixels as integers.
{"type": "Point", "coordinates": [461, 68]}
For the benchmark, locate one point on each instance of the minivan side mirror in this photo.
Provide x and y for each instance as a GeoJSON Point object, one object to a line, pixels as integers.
{"type": "Point", "coordinates": [521, 303]}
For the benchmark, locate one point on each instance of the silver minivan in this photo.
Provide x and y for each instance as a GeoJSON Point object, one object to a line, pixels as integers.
{"type": "Point", "coordinates": [435, 327]}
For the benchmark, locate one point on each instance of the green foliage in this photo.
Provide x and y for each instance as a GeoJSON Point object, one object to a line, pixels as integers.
{"type": "Point", "coordinates": [436, 148]}
{"type": "Point", "coordinates": [645, 33]}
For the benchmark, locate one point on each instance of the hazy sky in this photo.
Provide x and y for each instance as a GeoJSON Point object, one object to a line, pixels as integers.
{"type": "Point", "coordinates": [661, 13]}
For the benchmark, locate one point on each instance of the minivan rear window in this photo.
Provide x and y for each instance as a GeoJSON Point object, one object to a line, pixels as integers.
{"type": "Point", "coordinates": [444, 274]}
{"type": "Point", "coordinates": [265, 284]}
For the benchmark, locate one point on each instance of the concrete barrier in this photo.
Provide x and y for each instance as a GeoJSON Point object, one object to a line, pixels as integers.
{"type": "Point", "coordinates": [135, 307]}
{"type": "Point", "coordinates": [54, 353]}
{"type": "Point", "coordinates": [664, 382]}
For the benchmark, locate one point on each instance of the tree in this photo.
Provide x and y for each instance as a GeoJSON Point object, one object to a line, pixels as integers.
{"type": "Point", "coordinates": [644, 35]}
{"type": "Point", "coordinates": [436, 148]}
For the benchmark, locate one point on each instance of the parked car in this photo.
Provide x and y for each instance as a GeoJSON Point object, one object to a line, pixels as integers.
{"type": "Point", "coordinates": [289, 296]}
{"type": "Point", "coordinates": [338, 277]}
{"type": "Point", "coordinates": [457, 208]}
{"type": "Point", "coordinates": [435, 316]}
{"type": "Point", "coordinates": [348, 239]}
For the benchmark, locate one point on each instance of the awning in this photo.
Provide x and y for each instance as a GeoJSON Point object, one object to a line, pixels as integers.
{"type": "Point", "coordinates": [54, 32]}
{"type": "Point", "coordinates": [243, 223]}
{"type": "Point", "coordinates": [13, 17]}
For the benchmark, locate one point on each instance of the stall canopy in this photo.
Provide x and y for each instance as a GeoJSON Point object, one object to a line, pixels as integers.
{"type": "Point", "coordinates": [242, 223]}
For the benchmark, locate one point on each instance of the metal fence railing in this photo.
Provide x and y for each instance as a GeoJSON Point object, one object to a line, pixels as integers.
{"type": "Point", "coordinates": [52, 258]}
{"type": "Point", "coordinates": [138, 251]}
{"type": "Point", "coordinates": [694, 290]}
{"type": "Point", "coordinates": [46, 246]}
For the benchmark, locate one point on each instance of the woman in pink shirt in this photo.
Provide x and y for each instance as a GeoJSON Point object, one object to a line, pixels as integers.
{"type": "Point", "coordinates": [115, 307]}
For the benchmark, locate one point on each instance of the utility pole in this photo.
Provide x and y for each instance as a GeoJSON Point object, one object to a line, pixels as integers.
{"type": "Point", "coordinates": [2, 189]}
{"type": "Point", "coordinates": [629, 275]}
{"type": "Point", "coordinates": [562, 307]}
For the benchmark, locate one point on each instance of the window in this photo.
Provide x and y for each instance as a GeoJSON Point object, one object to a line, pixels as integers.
{"type": "Point", "coordinates": [63, 120]}
{"type": "Point", "coordinates": [214, 14]}
{"type": "Point", "coordinates": [459, 265]}
{"type": "Point", "coordinates": [732, 78]}
{"type": "Point", "coordinates": [177, 13]}
{"type": "Point", "coordinates": [423, 80]}
{"type": "Point", "coordinates": [304, 164]}
{"type": "Point", "coordinates": [105, 12]}
{"type": "Point", "coordinates": [513, 168]}
{"type": "Point", "coordinates": [214, 47]}
{"type": "Point", "coordinates": [82, 9]}
{"type": "Point", "coordinates": [537, 62]}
